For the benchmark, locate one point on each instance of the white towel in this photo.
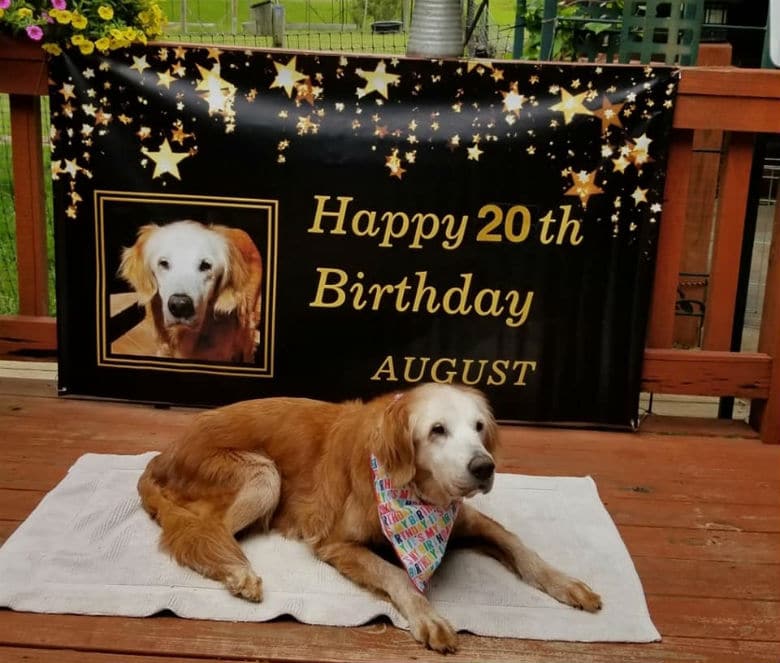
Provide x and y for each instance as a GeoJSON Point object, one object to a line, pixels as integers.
{"type": "Point", "coordinates": [89, 548]}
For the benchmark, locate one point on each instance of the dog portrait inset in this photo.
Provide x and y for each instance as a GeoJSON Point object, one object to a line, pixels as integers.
{"type": "Point", "coordinates": [201, 288]}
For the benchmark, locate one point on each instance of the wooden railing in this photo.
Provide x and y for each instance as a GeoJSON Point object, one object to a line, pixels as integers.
{"type": "Point", "coordinates": [739, 102]}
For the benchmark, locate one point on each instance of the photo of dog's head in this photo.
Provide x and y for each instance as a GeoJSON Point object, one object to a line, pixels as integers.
{"type": "Point", "coordinates": [201, 285]}
{"type": "Point", "coordinates": [441, 438]}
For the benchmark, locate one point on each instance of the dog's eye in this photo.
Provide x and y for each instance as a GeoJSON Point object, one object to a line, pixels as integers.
{"type": "Point", "coordinates": [438, 429]}
{"type": "Point", "coordinates": [163, 263]}
{"type": "Point", "coordinates": [204, 266]}
{"type": "Point", "coordinates": [480, 426]}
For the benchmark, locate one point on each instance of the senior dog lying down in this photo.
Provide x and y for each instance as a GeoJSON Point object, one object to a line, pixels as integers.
{"type": "Point", "coordinates": [321, 472]}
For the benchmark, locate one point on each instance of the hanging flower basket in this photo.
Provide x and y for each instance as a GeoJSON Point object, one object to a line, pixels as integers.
{"type": "Point", "coordinates": [88, 25]}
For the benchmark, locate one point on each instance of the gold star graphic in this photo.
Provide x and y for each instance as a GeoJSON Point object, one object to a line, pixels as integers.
{"type": "Point", "coordinates": [609, 114]}
{"type": "Point", "coordinates": [286, 76]}
{"type": "Point", "coordinates": [474, 152]}
{"type": "Point", "coordinates": [180, 52]}
{"type": "Point", "coordinates": [584, 186]}
{"type": "Point", "coordinates": [214, 53]}
{"type": "Point", "coordinates": [143, 133]}
{"type": "Point", "coordinates": [178, 69]}
{"type": "Point", "coordinates": [571, 105]}
{"type": "Point", "coordinates": [139, 64]}
{"type": "Point", "coordinates": [376, 81]}
{"type": "Point", "coordinates": [178, 135]}
{"type": "Point", "coordinates": [56, 169]}
{"type": "Point", "coordinates": [67, 91]}
{"type": "Point", "coordinates": [497, 75]}
{"type": "Point", "coordinates": [619, 164]}
{"type": "Point", "coordinates": [124, 119]}
{"type": "Point", "coordinates": [639, 196]}
{"type": "Point", "coordinates": [164, 79]}
{"type": "Point", "coordinates": [218, 92]}
{"type": "Point", "coordinates": [71, 167]}
{"type": "Point", "coordinates": [393, 162]}
{"type": "Point", "coordinates": [165, 160]}
{"type": "Point", "coordinates": [102, 117]}
{"type": "Point", "coordinates": [643, 142]}
{"type": "Point", "coordinates": [513, 101]}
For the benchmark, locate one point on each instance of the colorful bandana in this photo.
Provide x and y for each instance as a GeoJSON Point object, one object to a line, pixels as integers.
{"type": "Point", "coordinates": [417, 531]}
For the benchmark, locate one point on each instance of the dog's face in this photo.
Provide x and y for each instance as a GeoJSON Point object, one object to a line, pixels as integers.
{"type": "Point", "coordinates": [184, 263]}
{"type": "Point", "coordinates": [450, 434]}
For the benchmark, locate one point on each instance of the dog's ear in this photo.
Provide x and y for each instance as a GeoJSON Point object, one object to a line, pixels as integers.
{"type": "Point", "coordinates": [394, 446]}
{"type": "Point", "coordinates": [242, 269]}
{"type": "Point", "coordinates": [134, 269]}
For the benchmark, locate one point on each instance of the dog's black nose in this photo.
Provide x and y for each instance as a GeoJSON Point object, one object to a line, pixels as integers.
{"type": "Point", "coordinates": [482, 467]}
{"type": "Point", "coordinates": [181, 306]}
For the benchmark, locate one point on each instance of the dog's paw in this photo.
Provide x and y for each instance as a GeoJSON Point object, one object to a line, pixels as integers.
{"type": "Point", "coordinates": [576, 594]}
{"type": "Point", "coordinates": [435, 632]}
{"type": "Point", "coordinates": [244, 583]}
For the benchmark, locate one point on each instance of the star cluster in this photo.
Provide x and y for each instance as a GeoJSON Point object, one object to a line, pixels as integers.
{"type": "Point", "coordinates": [598, 126]}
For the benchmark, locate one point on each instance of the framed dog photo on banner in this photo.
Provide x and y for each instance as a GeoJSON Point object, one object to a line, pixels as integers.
{"type": "Point", "coordinates": [238, 223]}
{"type": "Point", "coordinates": [189, 278]}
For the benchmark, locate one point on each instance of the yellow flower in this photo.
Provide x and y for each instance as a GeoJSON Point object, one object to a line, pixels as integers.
{"type": "Point", "coordinates": [24, 12]}
{"type": "Point", "coordinates": [79, 21]}
{"type": "Point", "coordinates": [102, 44]}
{"type": "Point", "coordinates": [77, 40]}
{"type": "Point", "coordinates": [87, 47]}
{"type": "Point", "coordinates": [62, 16]}
{"type": "Point", "coordinates": [53, 49]}
{"type": "Point", "coordinates": [105, 12]}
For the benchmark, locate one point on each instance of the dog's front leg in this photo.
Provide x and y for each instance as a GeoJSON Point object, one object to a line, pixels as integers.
{"type": "Point", "coordinates": [369, 570]}
{"type": "Point", "coordinates": [475, 528]}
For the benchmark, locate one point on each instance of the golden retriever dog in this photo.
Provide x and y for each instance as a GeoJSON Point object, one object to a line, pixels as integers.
{"type": "Point", "coordinates": [302, 467]}
{"type": "Point", "coordinates": [201, 286]}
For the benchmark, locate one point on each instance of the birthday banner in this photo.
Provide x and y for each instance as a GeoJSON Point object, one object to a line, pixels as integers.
{"type": "Point", "coordinates": [235, 224]}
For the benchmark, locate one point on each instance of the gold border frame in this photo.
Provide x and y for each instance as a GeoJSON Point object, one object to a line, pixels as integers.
{"type": "Point", "coordinates": [271, 207]}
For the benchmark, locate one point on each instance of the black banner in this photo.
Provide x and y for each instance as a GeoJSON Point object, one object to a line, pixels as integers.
{"type": "Point", "coordinates": [241, 223]}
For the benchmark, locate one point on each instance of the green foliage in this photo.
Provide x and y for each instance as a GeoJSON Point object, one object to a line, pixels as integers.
{"type": "Point", "coordinates": [573, 33]}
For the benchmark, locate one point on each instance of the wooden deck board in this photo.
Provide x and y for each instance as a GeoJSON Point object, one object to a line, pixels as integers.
{"type": "Point", "coordinates": [699, 514]}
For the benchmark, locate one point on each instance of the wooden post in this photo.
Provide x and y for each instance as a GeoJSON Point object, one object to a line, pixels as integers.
{"type": "Point", "coordinates": [705, 166]}
{"type": "Point", "coordinates": [732, 204]}
{"type": "Point", "coordinates": [29, 202]}
{"type": "Point", "coordinates": [765, 414]}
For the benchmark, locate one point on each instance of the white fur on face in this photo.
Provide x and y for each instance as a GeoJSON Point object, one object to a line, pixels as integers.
{"type": "Point", "coordinates": [187, 260]}
{"type": "Point", "coordinates": [448, 427]}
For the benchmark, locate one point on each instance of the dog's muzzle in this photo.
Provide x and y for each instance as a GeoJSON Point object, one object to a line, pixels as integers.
{"type": "Point", "coordinates": [482, 469]}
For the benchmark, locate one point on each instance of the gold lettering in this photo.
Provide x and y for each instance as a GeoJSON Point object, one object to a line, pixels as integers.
{"type": "Point", "coordinates": [467, 365]}
{"type": "Point", "coordinates": [388, 367]}
{"type": "Point", "coordinates": [518, 316]}
{"type": "Point", "coordinates": [356, 289]}
{"type": "Point", "coordinates": [378, 290]}
{"type": "Point", "coordinates": [450, 374]}
{"type": "Point", "coordinates": [546, 220]}
{"type": "Point", "coordinates": [498, 366]}
{"type": "Point", "coordinates": [453, 233]}
{"type": "Point", "coordinates": [340, 215]}
{"type": "Point", "coordinates": [419, 228]}
{"type": "Point", "coordinates": [463, 291]}
{"type": "Point", "coordinates": [407, 365]}
{"type": "Point", "coordinates": [390, 231]}
{"type": "Point", "coordinates": [423, 290]}
{"type": "Point", "coordinates": [524, 366]}
{"type": "Point", "coordinates": [495, 309]}
{"type": "Point", "coordinates": [566, 223]}
{"type": "Point", "coordinates": [370, 230]}
{"type": "Point", "coordinates": [323, 286]}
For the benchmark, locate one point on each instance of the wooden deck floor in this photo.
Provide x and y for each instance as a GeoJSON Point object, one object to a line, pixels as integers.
{"type": "Point", "coordinates": [699, 514]}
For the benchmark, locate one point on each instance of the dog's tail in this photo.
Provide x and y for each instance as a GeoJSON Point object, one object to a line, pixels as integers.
{"type": "Point", "coordinates": [192, 532]}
